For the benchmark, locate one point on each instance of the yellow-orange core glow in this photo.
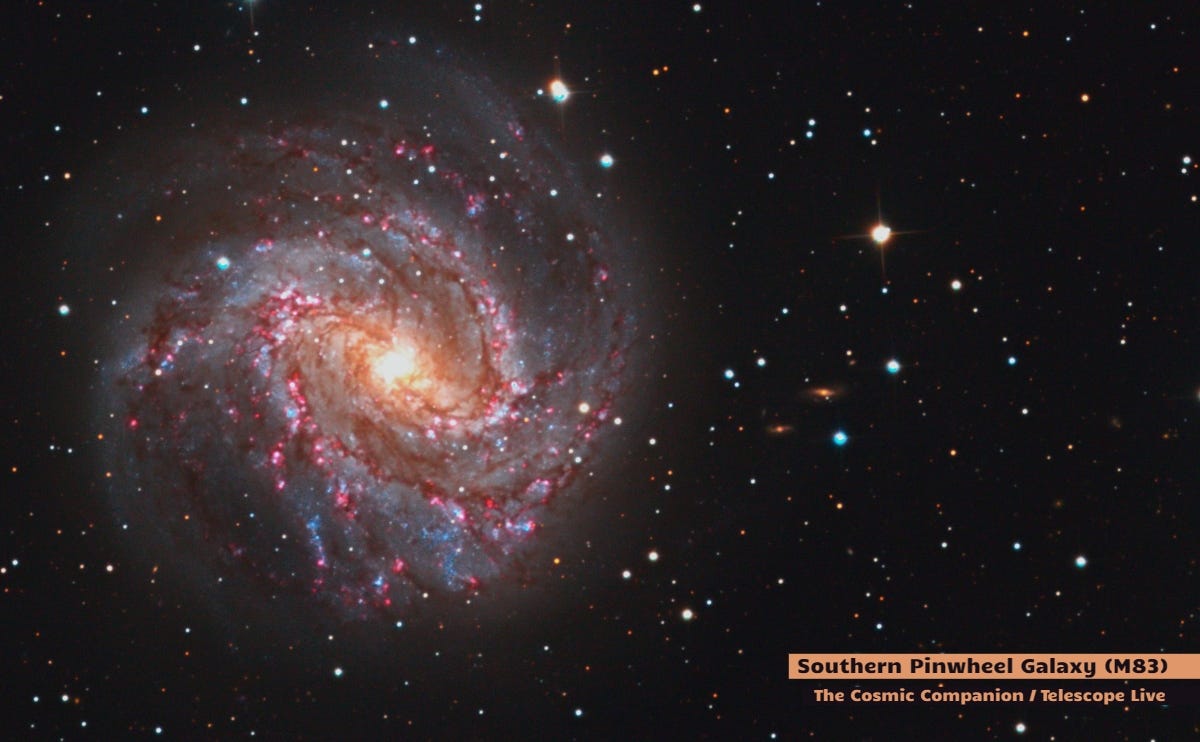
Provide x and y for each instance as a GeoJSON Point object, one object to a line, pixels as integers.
{"type": "Point", "coordinates": [395, 366]}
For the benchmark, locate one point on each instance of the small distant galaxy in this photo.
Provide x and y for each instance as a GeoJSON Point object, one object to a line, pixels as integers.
{"type": "Point", "coordinates": [821, 393]}
{"type": "Point", "coordinates": [382, 340]}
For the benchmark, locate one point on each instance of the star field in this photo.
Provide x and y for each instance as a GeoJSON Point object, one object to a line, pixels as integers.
{"type": "Point", "coordinates": [479, 369]}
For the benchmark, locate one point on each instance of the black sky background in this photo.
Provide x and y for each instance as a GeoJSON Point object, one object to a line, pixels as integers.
{"type": "Point", "coordinates": [1071, 223]}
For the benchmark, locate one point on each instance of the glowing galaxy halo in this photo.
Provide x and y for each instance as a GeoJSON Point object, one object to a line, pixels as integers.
{"type": "Point", "coordinates": [368, 348]}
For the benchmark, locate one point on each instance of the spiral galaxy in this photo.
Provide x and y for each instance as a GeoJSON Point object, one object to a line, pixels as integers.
{"type": "Point", "coordinates": [381, 333]}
